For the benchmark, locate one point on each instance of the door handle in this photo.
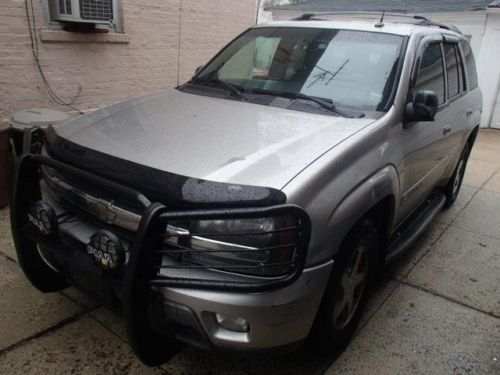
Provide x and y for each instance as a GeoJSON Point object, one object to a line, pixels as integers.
{"type": "Point", "coordinates": [469, 112]}
{"type": "Point", "coordinates": [446, 130]}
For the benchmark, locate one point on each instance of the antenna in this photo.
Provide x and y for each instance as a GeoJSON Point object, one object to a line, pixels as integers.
{"type": "Point", "coordinates": [381, 22]}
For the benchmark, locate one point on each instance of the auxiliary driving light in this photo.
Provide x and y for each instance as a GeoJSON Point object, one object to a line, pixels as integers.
{"type": "Point", "coordinates": [106, 249]}
{"type": "Point", "coordinates": [232, 323]}
{"type": "Point", "coordinates": [43, 217]}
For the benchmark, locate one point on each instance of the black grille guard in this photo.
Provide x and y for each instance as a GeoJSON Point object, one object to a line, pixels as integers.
{"type": "Point", "coordinates": [140, 275]}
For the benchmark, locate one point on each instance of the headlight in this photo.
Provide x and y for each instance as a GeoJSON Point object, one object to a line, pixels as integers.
{"type": "Point", "coordinates": [257, 246]}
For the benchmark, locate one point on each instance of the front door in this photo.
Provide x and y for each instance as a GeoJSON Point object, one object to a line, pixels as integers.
{"type": "Point", "coordinates": [424, 143]}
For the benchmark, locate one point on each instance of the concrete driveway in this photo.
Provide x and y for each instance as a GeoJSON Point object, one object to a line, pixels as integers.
{"type": "Point", "coordinates": [436, 312]}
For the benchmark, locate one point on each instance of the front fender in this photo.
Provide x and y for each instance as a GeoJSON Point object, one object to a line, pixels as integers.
{"type": "Point", "coordinates": [356, 203]}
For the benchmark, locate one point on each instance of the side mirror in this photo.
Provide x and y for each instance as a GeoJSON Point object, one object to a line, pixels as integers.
{"type": "Point", "coordinates": [423, 107]}
{"type": "Point", "coordinates": [198, 69]}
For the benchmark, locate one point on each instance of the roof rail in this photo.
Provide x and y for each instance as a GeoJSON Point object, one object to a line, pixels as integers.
{"type": "Point", "coordinates": [428, 22]}
{"type": "Point", "coordinates": [422, 21]}
{"type": "Point", "coordinates": [308, 16]}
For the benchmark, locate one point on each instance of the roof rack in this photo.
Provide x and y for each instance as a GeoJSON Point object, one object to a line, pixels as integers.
{"type": "Point", "coordinates": [308, 16]}
{"type": "Point", "coordinates": [422, 21]}
{"type": "Point", "coordinates": [428, 22]}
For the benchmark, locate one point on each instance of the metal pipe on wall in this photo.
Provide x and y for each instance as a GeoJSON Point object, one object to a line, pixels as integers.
{"type": "Point", "coordinates": [5, 163]}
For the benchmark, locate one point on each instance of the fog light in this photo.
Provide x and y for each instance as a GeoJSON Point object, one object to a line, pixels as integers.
{"type": "Point", "coordinates": [232, 323]}
{"type": "Point", "coordinates": [107, 249]}
{"type": "Point", "coordinates": [43, 217]}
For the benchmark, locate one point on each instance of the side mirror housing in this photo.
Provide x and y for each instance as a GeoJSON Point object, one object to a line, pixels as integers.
{"type": "Point", "coordinates": [423, 107]}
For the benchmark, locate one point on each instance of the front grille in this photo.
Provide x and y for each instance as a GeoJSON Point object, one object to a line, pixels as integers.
{"type": "Point", "coordinates": [101, 10]}
{"type": "Point", "coordinates": [86, 200]}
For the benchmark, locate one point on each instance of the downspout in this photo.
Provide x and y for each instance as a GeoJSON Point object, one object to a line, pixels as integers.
{"type": "Point", "coordinates": [493, 103]}
{"type": "Point", "coordinates": [179, 45]}
{"type": "Point", "coordinates": [257, 13]}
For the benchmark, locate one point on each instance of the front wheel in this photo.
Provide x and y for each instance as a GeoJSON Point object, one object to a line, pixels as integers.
{"type": "Point", "coordinates": [346, 294]}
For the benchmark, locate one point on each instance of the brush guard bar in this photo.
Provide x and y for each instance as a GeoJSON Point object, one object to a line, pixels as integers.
{"type": "Point", "coordinates": [140, 275]}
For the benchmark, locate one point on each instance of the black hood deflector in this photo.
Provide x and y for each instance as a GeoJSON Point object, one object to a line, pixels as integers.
{"type": "Point", "coordinates": [173, 190]}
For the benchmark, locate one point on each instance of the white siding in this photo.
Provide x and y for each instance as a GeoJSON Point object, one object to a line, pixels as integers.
{"type": "Point", "coordinates": [489, 68]}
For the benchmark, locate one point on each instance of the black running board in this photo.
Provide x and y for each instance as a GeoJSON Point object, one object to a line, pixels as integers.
{"type": "Point", "coordinates": [414, 226]}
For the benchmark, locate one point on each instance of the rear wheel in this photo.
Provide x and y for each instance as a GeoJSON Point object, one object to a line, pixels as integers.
{"type": "Point", "coordinates": [453, 188]}
{"type": "Point", "coordinates": [346, 293]}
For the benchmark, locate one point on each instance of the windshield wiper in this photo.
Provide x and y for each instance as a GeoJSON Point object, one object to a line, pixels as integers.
{"type": "Point", "coordinates": [233, 89]}
{"type": "Point", "coordinates": [324, 103]}
{"type": "Point", "coordinates": [320, 101]}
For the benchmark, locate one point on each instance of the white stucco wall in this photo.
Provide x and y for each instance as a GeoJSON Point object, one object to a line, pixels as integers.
{"type": "Point", "coordinates": [489, 69]}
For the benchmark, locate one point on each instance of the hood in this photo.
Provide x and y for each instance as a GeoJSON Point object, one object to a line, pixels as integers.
{"type": "Point", "coordinates": [209, 138]}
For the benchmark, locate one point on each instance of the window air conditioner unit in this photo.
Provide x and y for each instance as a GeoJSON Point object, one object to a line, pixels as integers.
{"type": "Point", "coordinates": [84, 11]}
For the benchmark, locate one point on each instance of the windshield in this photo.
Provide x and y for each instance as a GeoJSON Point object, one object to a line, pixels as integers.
{"type": "Point", "coordinates": [351, 69]}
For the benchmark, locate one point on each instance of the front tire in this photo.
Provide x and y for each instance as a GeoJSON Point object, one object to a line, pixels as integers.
{"type": "Point", "coordinates": [346, 294]}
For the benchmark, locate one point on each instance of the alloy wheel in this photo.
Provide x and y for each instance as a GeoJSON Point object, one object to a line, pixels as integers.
{"type": "Point", "coordinates": [352, 285]}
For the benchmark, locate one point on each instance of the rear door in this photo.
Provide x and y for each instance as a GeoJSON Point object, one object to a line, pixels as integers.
{"type": "Point", "coordinates": [458, 111]}
{"type": "Point", "coordinates": [474, 104]}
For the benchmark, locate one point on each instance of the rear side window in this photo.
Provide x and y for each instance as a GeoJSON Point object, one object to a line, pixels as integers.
{"type": "Point", "coordinates": [430, 74]}
{"type": "Point", "coordinates": [461, 68]}
{"type": "Point", "coordinates": [470, 63]}
{"type": "Point", "coordinates": [452, 69]}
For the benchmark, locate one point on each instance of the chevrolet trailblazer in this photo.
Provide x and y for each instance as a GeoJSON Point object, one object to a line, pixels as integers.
{"type": "Point", "coordinates": [251, 207]}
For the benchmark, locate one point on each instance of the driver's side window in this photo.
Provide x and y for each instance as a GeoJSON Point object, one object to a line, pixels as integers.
{"type": "Point", "coordinates": [430, 74]}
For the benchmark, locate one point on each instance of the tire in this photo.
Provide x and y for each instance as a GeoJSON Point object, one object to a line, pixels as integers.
{"type": "Point", "coordinates": [335, 323]}
{"type": "Point", "coordinates": [452, 189]}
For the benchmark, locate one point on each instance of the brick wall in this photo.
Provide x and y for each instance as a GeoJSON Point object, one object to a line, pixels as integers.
{"type": "Point", "coordinates": [168, 39]}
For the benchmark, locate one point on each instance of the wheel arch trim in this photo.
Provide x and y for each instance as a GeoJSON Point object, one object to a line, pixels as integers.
{"type": "Point", "coordinates": [364, 197]}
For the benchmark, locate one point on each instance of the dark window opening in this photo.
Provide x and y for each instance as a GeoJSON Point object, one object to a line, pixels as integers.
{"type": "Point", "coordinates": [461, 69]}
{"type": "Point", "coordinates": [452, 72]}
{"type": "Point", "coordinates": [470, 63]}
{"type": "Point", "coordinates": [430, 74]}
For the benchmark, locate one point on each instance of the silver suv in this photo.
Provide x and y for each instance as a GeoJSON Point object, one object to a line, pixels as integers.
{"type": "Point", "coordinates": [252, 207]}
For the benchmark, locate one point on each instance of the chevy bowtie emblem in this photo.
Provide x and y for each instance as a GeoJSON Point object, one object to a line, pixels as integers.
{"type": "Point", "coordinates": [103, 210]}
